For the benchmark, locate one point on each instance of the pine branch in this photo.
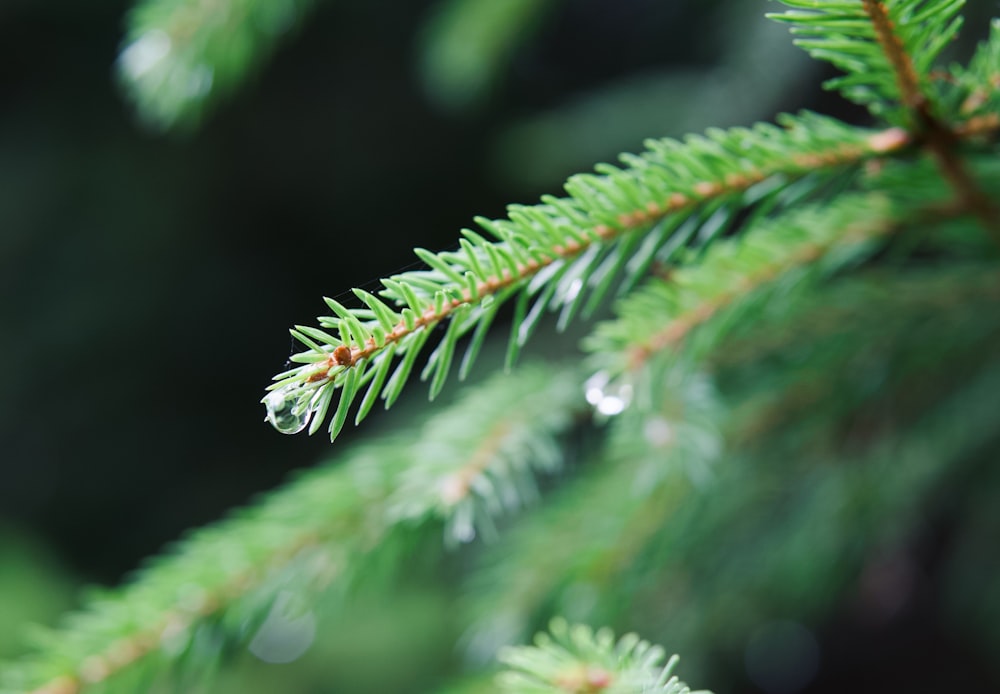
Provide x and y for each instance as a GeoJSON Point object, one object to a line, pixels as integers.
{"type": "Point", "coordinates": [663, 314]}
{"type": "Point", "coordinates": [313, 524]}
{"type": "Point", "coordinates": [821, 529]}
{"type": "Point", "coordinates": [312, 533]}
{"type": "Point", "coordinates": [886, 48]}
{"type": "Point", "coordinates": [878, 320]}
{"type": "Point", "coordinates": [773, 256]}
{"type": "Point", "coordinates": [480, 457]}
{"type": "Point", "coordinates": [820, 350]}
{"type": "Point", "coordinates": [977, 86]}
{"type": "Point", "coordinates": [712, 566]}
{"type": "Point", "coordinates": [649, 466]}
{"type": "Point", "coordinates": [901, 39]}
{"type": "Point", "coordinates": [566, 254]}
{"type": "Point", "coordinates": [576, 660]}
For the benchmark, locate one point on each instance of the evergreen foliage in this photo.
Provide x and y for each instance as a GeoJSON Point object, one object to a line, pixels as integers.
{"type": "Point", "coordinates": [574, 659]}
{"type": "Point", "coordinates": [180, 55]}
{"type": "Point", "coordinates": [801, 347]}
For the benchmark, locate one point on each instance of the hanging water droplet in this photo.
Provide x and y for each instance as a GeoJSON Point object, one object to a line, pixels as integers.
{"type": "Point", "coordinates": [284, 411]}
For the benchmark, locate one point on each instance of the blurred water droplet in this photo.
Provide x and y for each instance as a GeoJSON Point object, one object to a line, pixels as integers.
{"type": "Point", "coordinates": [286, 633]}
{"type": "Point", "coordinates": [143, 54]}
{"type": "Point", "coordinates": [284, 411]}
{"type": "Point", "coordinates": [607, 398]}
{"type": "Point", "coordinates": [594, 387]}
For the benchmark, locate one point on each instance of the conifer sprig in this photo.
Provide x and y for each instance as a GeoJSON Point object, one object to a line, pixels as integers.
{"type": "Point", "coordinates": [978, 84]}
{"type": "Point", "coordinates": [814, 348]}
{"type": "Point", "coordinates": [310, 534]}
{"type": "Point", "coordinates": [479, 458]}
{"type": "Point", "coordinates": [574, 659]}
{"type": "Point", "coordinates": [886, 47]}
{"type": "Point", "coordinates": [653, 458]}
{"type": "Point", "coordinates": [661, 316]}
{"type": "Point", "coordinates": [566, 254]}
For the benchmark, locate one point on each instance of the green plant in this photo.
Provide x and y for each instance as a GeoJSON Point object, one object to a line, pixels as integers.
{"type": "Point", "coordinates": [801, 351]}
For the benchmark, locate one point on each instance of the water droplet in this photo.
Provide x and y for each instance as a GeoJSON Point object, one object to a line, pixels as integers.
{"type": "Point", "coordinates": [612, 404]}
{"type": "Point", "coordinates": [594, 387]}
{"type": "Point", "coordinates": [285, 412]}
{"type": "Point", "coordinates": [607, 398]}
{"type": "Point", "coordinates": [286, 633]}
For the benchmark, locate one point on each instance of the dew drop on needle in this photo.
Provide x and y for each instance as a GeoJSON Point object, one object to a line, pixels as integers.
{"type": "Point", "coordinates": [284, 413]}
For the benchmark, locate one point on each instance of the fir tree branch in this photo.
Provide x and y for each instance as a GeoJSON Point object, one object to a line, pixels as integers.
{"type": "Point", "coordinates": [935, 135]}
{"type": "Point", "coordinates": [479, 458]}
{"type": "Point", "coordinates": [978, 83]}
{"type": "Point", "coordinates": [770, 257]}
{"type": "Point", "coordinates": [877, 316]}
{"type": "Point", "coordinates": [767, 485]}
{"type": "Point", "coordinates": [313, 532]}
{"type": "Point", "coordinates": [576, 660]}
{"type": "Point", "coordinates": [886, 48]}
{"type": "Point", "coordinates": [643, 473]}
{"type": "Point", "coordinates": [663, 314]}
{"type": "Point", "coordinates": [558, 254]}
{"type": "Point", "coordinates": [909, 35]}
{"type": "Point", "coordinates": [318, 518]}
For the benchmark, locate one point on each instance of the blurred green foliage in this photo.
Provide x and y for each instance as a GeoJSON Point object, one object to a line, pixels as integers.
{"type": "Point", "coordinates": [34, 588]}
